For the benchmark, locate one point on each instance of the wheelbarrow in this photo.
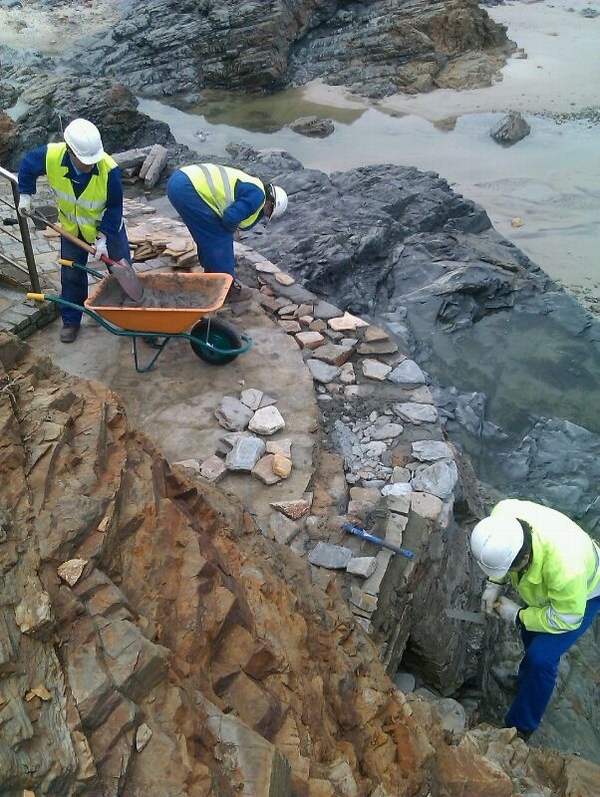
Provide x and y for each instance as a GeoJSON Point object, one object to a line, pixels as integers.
{"type": "Point", "coordinates": [172, 304]}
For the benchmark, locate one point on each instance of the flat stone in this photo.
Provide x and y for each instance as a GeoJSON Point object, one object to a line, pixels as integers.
{"type": "Point", "coordinates": [263, 470]}
{"type": "Point", "coordinates": [292, 509]}
{"type": "Point", "coordinates": [363, 566]}
{"type": "Point", "coordinates": [310, 340]}
{"type": "Point", "coordinates": [290, 326]}
{"type": "Point", "coordinates": [322, 372]}
{"type": "Point", "coordinates": [71, 570]}
{"type": "Point", "coordinates": [364, 600]}
{"type": "Point", "coordinates": [407, 373]}
{"type": "Point", "coordinates": [398, 503]}
{"type": "Point", "coordinates": [282, 466]}
{"type": "Point", "coordinates": [282, 529]}
{"type": "Point", "coordinates": [347, 374]}
{"type": "Point", "coordinates": [326, 311]}
{"type": "Point", "coordinates": [333, 354]}
{"type": "Point", "coordinates": [416, 413]}
{"type": "Point", "coordinates": [376, 370]}
{"type": "Point", "coordinates": [426, 505]}
{"type": "Point", "coordinates": [283, 278]}
{"type": "Point", "coordinates": [245, 453]}
{"type": "Point", "coordinates": [213, 469]}
{"type": "Point", "coordinates": [377, 349]}
{"type": "Point", "coordinates": [252, 398]}
{"type": "Point", "coordinates": [267, 421]}
{"type": "Point", "coordinates": [346, 322]}
{"type": "Point", "coordinates": [232, 414]}
{"type": "Point", "coordinates": [374, 334]}
{"type": "Point", "coordinates": [439, 479]}
{"type": "Point", "coordinates": [431, 450]}
{"type": "Point", "coordinates": [333, 557]}
{"type": "Point", "coordinates": [266, 267]}
{"type": "Point", "coordinates": [282, 446]}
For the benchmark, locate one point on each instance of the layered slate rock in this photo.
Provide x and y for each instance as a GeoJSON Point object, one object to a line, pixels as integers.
{"type": "Point", "coordinates": [174, 49]}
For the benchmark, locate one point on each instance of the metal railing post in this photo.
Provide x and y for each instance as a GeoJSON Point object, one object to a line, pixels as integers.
{"type": "Point", "coordinates": [25, 236]}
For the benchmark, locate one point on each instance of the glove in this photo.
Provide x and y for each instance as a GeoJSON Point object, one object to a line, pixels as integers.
{"type": "Point", "coordinates": [490, 595]}
{"type": "Point", "coordinates": [24, 205]}
{"type": "Point", "coordinates": [507, 610]}
{"type": "Point", "coordinates": [101, 247]}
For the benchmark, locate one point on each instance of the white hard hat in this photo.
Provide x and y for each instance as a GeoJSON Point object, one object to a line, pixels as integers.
{"type": "Point", "coordinates": [83, 138]}
{"type": "Point", "coordinates": [280, 200]}
{"type": "Point", "coordinates": [495, 542]}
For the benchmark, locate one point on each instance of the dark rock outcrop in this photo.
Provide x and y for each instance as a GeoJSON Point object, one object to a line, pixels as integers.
{"type": "Point", "coordinates": [165, 48]}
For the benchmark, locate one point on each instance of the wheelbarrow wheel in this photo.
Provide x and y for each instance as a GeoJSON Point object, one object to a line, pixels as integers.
{"type": "Point", "coordinates": [218, 337]}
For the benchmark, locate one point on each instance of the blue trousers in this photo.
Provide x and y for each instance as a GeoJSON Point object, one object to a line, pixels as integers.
{"type": "Point", "coordinates": [74, 281]}
{"type": "Point", "coordinates": [213, 242]}
{"type": "Point", "coordinates": [539, 669]}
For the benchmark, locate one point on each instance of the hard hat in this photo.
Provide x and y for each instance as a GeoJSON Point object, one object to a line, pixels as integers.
{"type": "Point", "coordinates": [495, 542]}
{"type": "Point", "coordinates": [83, 138]}
{"type": "Point", "coordinates": [280, 200]}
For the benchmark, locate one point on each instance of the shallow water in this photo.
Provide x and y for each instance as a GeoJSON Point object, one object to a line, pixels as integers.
{"type": "Point", "coordinates": [548, 184]}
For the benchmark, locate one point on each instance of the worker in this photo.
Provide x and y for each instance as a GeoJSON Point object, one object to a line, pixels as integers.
{"type": "Point", "coordinates": [554, 567]}
{"type": "Point", "coordinates": [89, 193]}
{"type": "Point", "coordinates": [214, 202]}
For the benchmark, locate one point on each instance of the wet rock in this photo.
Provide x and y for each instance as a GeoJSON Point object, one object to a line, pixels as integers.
{"type": "Point", "coordinates": [510, 129]}
{"type": "Point", "coordinates": [312, 126]}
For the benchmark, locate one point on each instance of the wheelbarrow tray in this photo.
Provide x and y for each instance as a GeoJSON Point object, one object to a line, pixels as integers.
{"type": "Point", "coordinates": [171, 302]}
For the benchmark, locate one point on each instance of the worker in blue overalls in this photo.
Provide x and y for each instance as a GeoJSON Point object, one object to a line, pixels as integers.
{"type": "Point", "coordinates": [214, 202]}
{"type": "Point", "coordinates": [554, 567]}
{"type": "Point", "coordinates": [87, 185]}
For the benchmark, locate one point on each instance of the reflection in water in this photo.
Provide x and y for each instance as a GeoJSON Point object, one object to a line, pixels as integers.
{"type": "Point", "coordinates": [265, 113]}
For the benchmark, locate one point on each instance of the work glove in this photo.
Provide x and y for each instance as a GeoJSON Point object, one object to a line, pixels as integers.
{"type": "Point", "coordinates": [24, 205]}
{"type": "Point", "coordinates": [507, 610]}
{"type": "Point", "coordinates": [101, 247]}
{"type": "Point", "coordinates": [490, 595]}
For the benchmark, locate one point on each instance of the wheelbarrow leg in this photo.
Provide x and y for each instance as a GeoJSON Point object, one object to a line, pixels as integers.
{"type": "Point", "coordinates": [143, 369]}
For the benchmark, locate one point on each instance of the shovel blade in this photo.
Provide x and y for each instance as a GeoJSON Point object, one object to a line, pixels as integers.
{"type": "Point", "coordinates": [127, 278]}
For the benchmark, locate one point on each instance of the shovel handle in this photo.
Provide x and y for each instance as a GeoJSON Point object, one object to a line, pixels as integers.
{"type": "Point", "coordinates": [70, 237]}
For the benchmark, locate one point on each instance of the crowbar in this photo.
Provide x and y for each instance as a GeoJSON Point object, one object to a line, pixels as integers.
{"type": "Point", "coordinates": [377, 540]}
{"type": "Point", "coordinates": [469, 617]}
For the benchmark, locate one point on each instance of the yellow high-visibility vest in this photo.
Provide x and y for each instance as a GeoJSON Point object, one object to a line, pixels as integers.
{"type": "Point", "coordinates": [78, 215]}
{"type": "Point", "coordinates": [216, 185]}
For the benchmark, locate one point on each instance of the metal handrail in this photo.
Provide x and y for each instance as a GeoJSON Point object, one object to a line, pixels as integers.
{"type": "Point", "coordinates": [24, 228]}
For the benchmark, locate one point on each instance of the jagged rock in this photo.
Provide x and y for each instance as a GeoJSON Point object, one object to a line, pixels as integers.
{"type": "Point", "coordinates": [510, 129]}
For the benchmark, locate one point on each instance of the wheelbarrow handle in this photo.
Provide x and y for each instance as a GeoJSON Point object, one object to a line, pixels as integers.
{"type": "Point", "coordinates": [377, 540]}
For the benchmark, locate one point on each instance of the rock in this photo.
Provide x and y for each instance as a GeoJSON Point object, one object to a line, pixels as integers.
{"type": "Point", "coordinates": [71, 571]}
{"type": "Point", "coordinates": [312, 126]}
{"type": "Point", "coordinates": [510, 129]}
{"type": "Point", "coordinates": [266, 421]}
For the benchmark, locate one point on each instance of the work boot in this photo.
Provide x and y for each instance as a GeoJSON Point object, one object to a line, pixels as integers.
{"type": "Point", "coordinates": [68, 333]}
{"type": "Point", "coordinates": [237, 293]}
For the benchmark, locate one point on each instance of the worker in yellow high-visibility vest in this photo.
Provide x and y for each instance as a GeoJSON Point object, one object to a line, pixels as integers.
{"type": "Point", "coordinates": [215, 201]}
{"type": "Point", "coordinates": [87, 185]}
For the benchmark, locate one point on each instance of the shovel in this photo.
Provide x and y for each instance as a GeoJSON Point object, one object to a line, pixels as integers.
{"type": "Point", "coordinates": [122, 269]}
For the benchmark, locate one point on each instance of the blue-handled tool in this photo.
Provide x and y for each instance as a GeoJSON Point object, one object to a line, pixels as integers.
{"type": "Point", "coordinates": [377, 540]}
